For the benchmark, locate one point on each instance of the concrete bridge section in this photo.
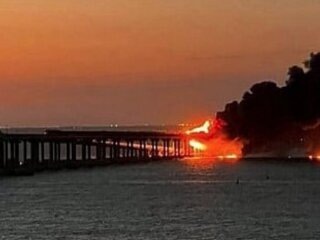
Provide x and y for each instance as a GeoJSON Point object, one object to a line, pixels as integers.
{"type": "Point", "coordinates": [29, 153]}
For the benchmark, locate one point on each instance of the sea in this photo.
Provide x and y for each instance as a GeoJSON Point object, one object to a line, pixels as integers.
{"type": "Point", "coordinates": [195, 198]}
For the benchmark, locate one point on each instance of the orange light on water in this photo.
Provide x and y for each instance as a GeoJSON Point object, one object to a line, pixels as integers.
{"type": "Point", "coordinates": [232, 156]}
{"type": "Point", "coordinates": [200, 163]}
{"type": "Point", "coordinates": [228, 156]}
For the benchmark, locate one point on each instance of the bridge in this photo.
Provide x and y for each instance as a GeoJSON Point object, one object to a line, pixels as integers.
{"type": "Point", "coordinates": [24, 154]}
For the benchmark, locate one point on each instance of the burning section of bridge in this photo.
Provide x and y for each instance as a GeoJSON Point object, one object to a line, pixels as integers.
{"type": "Point", "coordinates": [210, 140]}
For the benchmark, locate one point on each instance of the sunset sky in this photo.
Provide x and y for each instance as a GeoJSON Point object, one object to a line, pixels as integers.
{"type": "Point", "coordinates": [80, 62]}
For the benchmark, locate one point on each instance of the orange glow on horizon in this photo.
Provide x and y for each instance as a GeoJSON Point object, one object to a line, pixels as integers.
{"type": "Point", "coordinates": [93, 55]}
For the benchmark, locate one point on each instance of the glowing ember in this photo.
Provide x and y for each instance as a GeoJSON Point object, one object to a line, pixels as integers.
{"type": "Point", "coordinates": [205, 128]}
{"type": "Point", "coordinates": [197, 145]}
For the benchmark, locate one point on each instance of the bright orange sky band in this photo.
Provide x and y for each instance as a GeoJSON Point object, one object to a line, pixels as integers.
{"type": "Point", "coordinates": [78, 62]}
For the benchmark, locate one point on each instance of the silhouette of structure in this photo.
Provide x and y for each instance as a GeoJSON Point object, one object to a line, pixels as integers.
{"type": "Point", "coordinates": [29, 153]}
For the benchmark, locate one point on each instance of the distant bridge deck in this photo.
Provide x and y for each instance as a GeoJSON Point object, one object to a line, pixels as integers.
{"type": "Point", "coordinates": [54, 149]}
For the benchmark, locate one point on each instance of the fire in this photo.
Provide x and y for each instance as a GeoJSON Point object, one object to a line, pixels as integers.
{"type": "Point", "coordinates": [316, 157]}
{"type": "Point", "coordinates": [197, 145]}
{"type": "Point", "coordinates": [204, 128]}
{"type": "Point", "coordinates": [211, 141]}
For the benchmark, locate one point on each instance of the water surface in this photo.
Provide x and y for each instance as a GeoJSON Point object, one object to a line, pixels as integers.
{"type": "Point", "coordinates": [190, 199]}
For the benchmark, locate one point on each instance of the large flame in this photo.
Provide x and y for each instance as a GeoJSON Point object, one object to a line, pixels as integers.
{"type": "Point", "coordinates": [197, 145]}
{"type": "Point", "coordinates": [204, 128]}
{"type": "Point", "coordinates": [210, 140]}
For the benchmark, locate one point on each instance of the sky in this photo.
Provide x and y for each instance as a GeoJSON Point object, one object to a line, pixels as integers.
{"type": "Point", "coordinates": [79, 62]}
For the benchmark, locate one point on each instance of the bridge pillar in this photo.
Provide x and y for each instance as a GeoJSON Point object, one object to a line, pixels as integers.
{"type": "Point", "coordinates": [56, 151]}
{"type": "Point", "coordinates": [115, 148]}
{"type": "Point", "coordinates": [2, 161]}
{"type": "Point", "coordinates": [103, 149]}
{"type": "Point", "coordinates": [112, 149]}
{"type": "Point", "coordinates": [42, 152]}
{"type": "Point", "coordinates": [59, 151]}
{"type": "Point", "coordinates": [153, 147]}
{"type": "Point", "coordinates": [89, 151]}
{"type": "Point", "coordinates": [83, 152]}
{"type": "Point", "coordinates": [99, 150]}
{"type": "Point", "coordinates": [51, 154]}
{"type": "Point", "coordinates": [156, 142]}
{"type": "Point", "coordinates": [34, 161]}
{"type": "Point", "coordinates": [25, 156]}
{"type": "Point", "coordinates": [16, 153]}
{"type": "Point", "coordinates": [132, 153]}
{"type": "Point", "coordinates": [68, 151]}
{"type": "Point", "coordinates": [144, 149]}
{"type": "Point", "coordinates": [166, 148]}
{"type": "Point", "coordinates": [179, 148]}
{"type": "Point", "coordinates": [5, 153]}
{"type": "Point", "coordinates": [141, 154]}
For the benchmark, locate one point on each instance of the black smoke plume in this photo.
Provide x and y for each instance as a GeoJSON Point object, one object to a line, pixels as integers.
{"type": "Point", "coordinates": [277, 119]}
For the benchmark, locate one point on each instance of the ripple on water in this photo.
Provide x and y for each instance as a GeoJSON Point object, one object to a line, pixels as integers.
{"type": "Point", "coordinates": [168, 200]}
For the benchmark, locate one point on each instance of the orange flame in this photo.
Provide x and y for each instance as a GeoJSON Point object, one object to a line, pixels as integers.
{"type": "Point", "coordinates": [197, 145]}
{"type": "Point", "coordinates": [213, 142]}
{"type": "Point", "coordinates": [204, 128]}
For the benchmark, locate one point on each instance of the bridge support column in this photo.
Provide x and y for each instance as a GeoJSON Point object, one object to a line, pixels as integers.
{"type": "Point", "coordinates": [131, 149]}
{"type": "Point", "coordinates": [156, 142]}
{"type": "Point", "coordinates": [103, 149]}
{"type": "Point", "coordinates": [179, 147]}
{"type": "Point", "coordinates": [68, 151]}
{"type": "Point", "coordinates": [34, 160]}
{"type": "Point", "coordinates": [73, 151]}
{"type": "Point", "coordinates": [25, 156]}
{"type": "Point", "coordinates": [2, 162]}
{"type": "Point", "coordinates": [5, 153]}
{"type": "Point", "coordinates": [166, 148]}
{"type": "Point", "coordinates": [84, 152]}
{"type": "Point", "coordinates": [16, 154]}
{"type": "Point", "coordinates": [42, 152]}
{"type": "Point", "coordinates": [51, 154]}
{"type": "Point", "coordinates": [99, 150]}
{"type": "Point", "coordinates": [153, 148]}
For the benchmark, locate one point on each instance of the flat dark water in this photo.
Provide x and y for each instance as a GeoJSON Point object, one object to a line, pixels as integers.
{"type": "Point", "coordinates": [191, 199]}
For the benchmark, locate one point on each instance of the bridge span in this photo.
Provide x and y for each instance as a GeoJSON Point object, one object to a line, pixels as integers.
{"type": "Point", "coordinates": [54, 149]}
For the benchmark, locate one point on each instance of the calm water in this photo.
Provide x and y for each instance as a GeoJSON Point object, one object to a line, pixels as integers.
{"type": "Point", "coordinates": [191, 199]}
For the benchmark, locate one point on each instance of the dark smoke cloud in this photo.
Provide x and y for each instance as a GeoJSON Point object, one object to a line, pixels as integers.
{"type": "Point", "coordinates": [276, 119]}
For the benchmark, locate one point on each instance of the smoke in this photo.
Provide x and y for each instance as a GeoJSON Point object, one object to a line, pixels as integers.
{"type": "Point", "coordinates": [277, 119]}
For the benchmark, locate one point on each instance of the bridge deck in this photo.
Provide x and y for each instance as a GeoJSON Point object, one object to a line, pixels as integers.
{"type": "Point", "coordinates": [27, 153]}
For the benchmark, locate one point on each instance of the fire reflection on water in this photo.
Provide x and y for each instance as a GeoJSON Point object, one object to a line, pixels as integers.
{"type": "Point", "coordinates": [205, 163]}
